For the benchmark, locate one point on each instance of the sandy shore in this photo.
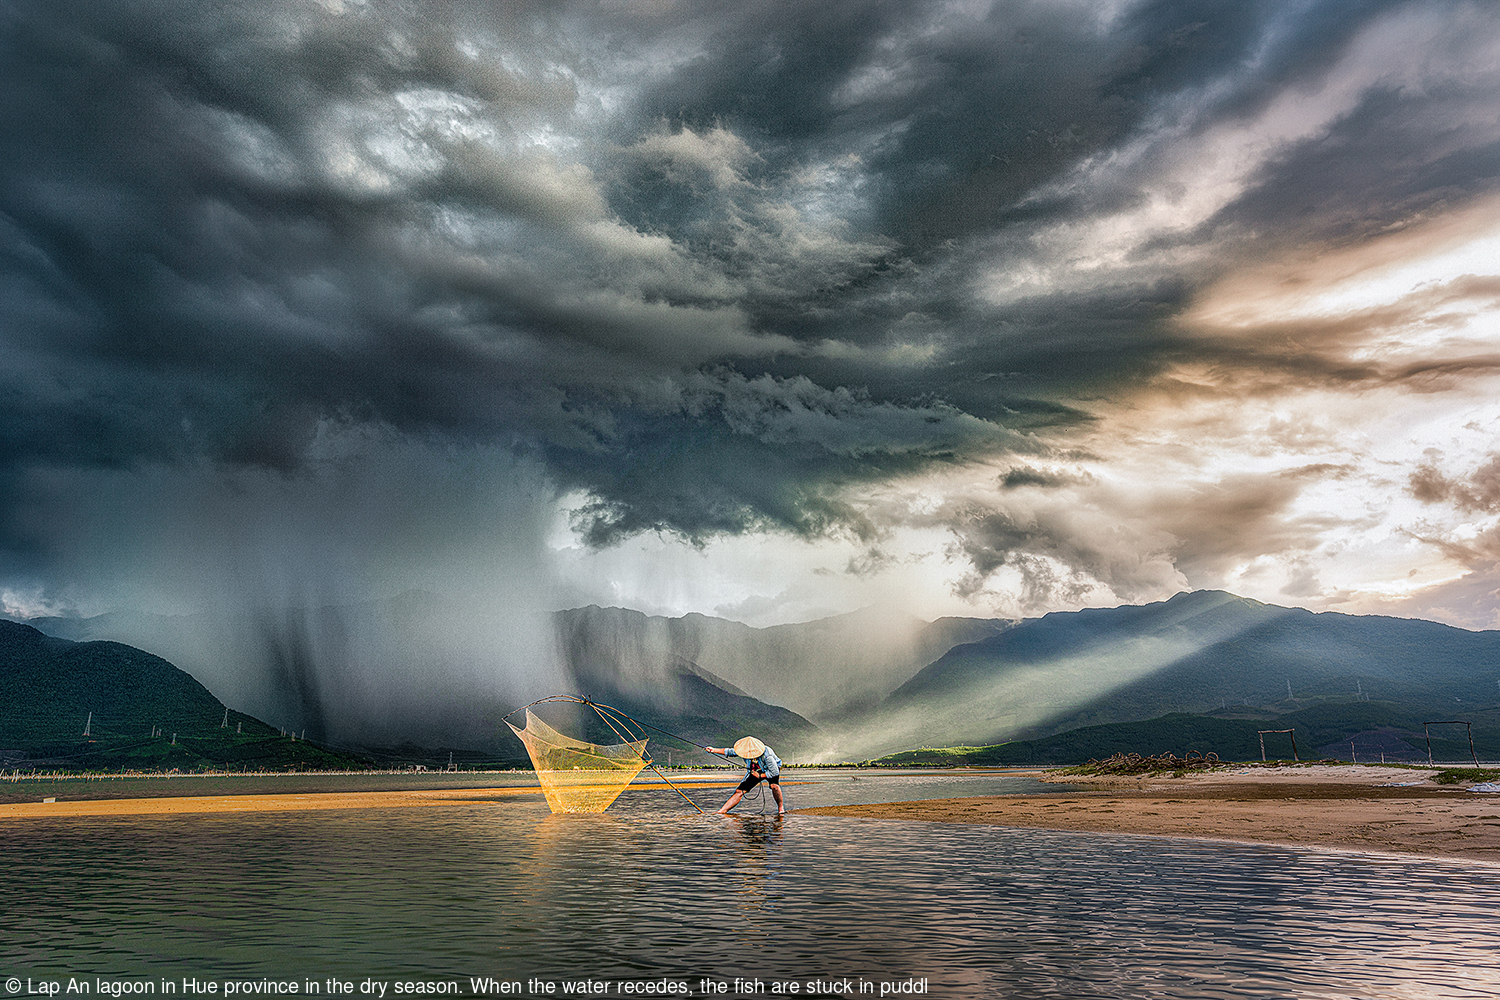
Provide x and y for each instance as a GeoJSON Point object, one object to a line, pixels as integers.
{"type": "Point", "coordinates": [1348, 807]}
{"type": "Point", "coordinates": [289, 802]}
{"type": "Point", "coordinates": [1363, 808]}
{"type": "Point", "coordinates": [254, 803]}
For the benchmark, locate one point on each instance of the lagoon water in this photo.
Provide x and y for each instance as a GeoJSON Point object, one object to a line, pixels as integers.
{"type": "Point", "coordinates": [498, 887]}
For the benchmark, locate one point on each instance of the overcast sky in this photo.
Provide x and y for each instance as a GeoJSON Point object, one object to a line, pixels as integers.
{"type": "Point", "coordinates": [760, 309]}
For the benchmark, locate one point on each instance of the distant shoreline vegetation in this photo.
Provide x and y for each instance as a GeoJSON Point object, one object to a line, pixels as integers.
{"type": "Point", "coordinates": [1359, 732]}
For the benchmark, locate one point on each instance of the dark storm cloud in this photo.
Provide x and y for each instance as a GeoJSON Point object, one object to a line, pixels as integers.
{"type": "Point", "coordinates": [1024, 475]}
{"type": "Point", "coordinates": [958, 111]}
{"type": "Point", "coordinates": [716, 268]}
{"type": "Point", "coordinates": [768, 453]}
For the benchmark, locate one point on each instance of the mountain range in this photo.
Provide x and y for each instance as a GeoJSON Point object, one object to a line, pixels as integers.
{"type": "Point", "coordinates": [826, 669]}
{"type": "Point", "coordinates": [392, 671]}
{"type": "Point", "coordinates": [875, 682]}
{"type": "Point", "coordinates": [1205, 652]}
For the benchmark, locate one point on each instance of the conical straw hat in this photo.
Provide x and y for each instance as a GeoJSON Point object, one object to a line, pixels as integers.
{"type": "Point", "coordinates": [749, 748]}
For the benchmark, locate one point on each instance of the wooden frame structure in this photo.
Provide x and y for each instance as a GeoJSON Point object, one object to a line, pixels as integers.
{"type": "Point", "coordinates": [1292, 732]}
{"type": "Point", "coordinates": [1468, 726]}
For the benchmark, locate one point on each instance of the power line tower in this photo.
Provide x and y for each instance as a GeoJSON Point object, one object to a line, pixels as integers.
{"type": "Point", "coordinates": [87, 724]}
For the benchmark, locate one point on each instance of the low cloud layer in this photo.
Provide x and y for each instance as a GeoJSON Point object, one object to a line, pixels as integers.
{"type": "Point", "coordinates": [773, 309]}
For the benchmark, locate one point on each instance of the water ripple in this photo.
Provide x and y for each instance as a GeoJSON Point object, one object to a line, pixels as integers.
{"type": "Point", "coordinates": [507, 890]}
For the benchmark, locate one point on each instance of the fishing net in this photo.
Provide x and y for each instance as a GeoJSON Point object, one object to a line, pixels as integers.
{"type": "Point", "coordinates": [579, 777]}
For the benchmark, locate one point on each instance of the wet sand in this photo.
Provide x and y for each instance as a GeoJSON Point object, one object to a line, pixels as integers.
{"type": "Point", "coordinates": [1361, 808]}
{"type": "Point", "coordinates": [292, 801]}
{"type": "Point", "coordinates": [1324, 806]}
{"type": "Point", "coordinates": [255, 803]}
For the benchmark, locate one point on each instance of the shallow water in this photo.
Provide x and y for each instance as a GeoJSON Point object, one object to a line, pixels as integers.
{"type": "Point", "coordinates": [652, 890]}
{"type": "Point", "coordinates": [830, 786]}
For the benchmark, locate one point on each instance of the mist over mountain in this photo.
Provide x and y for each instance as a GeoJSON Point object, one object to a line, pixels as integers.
{"type": "Point", "coordinates": [826, 669]}
{"type": "Point", "coordinates": [685, 701]}
{"type": "Point", "coordinates": [412, 668]}
{"type": "Point", "coordinates": [408, 670]}
{"type": "Point", "coordinates": [844, 688]}
{"type": "Point", "coordinates": [1200, 652]}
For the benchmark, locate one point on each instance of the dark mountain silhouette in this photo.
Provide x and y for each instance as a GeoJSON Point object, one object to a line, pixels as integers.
{"type": "Point", "coordinates": [874, 682]}
{"type": "Point", "coordinates": [1201, 652]}
{"type": "Point", "coordinates": [315, 680]}
{"type": "Point", "coordinates": [405, 670]}
{"type": "Point", "coordinates": [83, 705]}
{"type": "Point", "coordinates": [365, 674]}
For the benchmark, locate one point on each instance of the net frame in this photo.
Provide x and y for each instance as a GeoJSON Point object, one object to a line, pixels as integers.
{"type": "Point", "coordinates": [578, 776]}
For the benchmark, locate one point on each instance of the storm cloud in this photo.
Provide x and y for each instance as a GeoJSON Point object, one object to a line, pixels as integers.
{"type": "Point", "coordinates": [1029, 305]}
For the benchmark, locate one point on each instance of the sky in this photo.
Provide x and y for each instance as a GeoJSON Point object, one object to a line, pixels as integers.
{"type": "Point", "coordinates": [768, 310]}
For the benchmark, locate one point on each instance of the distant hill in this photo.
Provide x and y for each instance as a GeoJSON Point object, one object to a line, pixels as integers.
{"type": "Point", "coordinates": [407, 670]}
{"type": "Point", "coordinates": [1202, 652]}
{"type": "Point", "coordinates": [1359, 731]}
{"type": "Point", "coordinates": [307, 661]}
{"type": "Point", "coordinates": [685, 700]}
{"type": "Point", "coordinates": [825, 669]}
{"type": "Point", "coordinates": [850, 687]}
{"type": "Point", "coordinates": [384, 672]}
{"type": "Point", "coordinates": [139, 711]}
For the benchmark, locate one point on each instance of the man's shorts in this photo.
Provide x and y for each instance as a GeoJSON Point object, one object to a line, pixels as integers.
{"type": "Point", "coordinates": [752, 780]}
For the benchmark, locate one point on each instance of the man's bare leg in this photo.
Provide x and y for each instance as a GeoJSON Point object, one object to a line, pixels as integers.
{"type": "Point", "coordinates": [776, 794]}
{"type": "Point", "coordinates": [734, 800]}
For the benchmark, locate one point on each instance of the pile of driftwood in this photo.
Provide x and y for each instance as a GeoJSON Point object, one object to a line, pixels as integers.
{"type": "Point", "coordinates": [1134, 763]}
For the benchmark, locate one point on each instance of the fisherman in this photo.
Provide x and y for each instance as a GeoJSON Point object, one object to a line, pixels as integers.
{"type": "Point", "coordinates": [761, 764]}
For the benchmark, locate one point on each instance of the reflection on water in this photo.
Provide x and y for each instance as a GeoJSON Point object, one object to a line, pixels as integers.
{"type": "Point", "coordinates": [505, 889]}
{"type": "Point", "coordinates": [833, 786]}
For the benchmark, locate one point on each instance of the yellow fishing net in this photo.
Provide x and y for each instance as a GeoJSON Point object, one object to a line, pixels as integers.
{"type": "Point", "coordinates": [579, 777]}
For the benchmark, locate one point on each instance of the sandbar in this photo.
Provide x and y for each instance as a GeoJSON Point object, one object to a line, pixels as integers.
{"type": "Point", "coordinates": [294, 802]}
{"type": "Point", "coordinates": [1363, 808]}
{"type": "Point", "coordinates": [1352, 807]}
{"type": "Point", "coordinates": [288, 802]}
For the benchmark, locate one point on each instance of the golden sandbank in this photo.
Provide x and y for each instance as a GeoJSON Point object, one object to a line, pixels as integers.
{"type": "Point", "coordinates": [287, 802]}
{"type": "Point", "coordinates": [1360, 808]}
{"type": "Point", "coordinates": [252, 803]}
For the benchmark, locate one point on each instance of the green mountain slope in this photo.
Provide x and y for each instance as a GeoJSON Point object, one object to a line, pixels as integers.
{"type": "Point", "coordinates": [139, 711]}
{"type": "Point", "coordinates": [373, 675]}
{"type": "Point", "coordinates": [51, 687]}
